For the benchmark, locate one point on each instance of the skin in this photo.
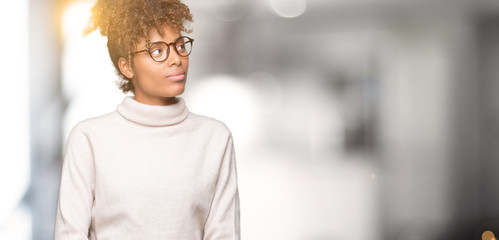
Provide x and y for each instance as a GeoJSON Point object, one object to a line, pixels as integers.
{"type": "Point", "coordinates": [157, 83]}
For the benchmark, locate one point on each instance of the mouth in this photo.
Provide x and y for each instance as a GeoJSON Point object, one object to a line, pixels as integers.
{"type": "Point", "coordinates": [179, 76]}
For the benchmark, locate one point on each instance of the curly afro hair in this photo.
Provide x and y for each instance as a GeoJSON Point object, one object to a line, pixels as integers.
{"type": "Point", "coordinates": [125, 22]}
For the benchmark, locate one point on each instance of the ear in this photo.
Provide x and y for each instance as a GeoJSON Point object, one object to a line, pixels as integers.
{"type": "Point", "coordinates": [125, 67]}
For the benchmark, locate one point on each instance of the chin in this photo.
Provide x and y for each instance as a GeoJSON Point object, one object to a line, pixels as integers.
{"type": "Point", "coordinates": [174, 93]}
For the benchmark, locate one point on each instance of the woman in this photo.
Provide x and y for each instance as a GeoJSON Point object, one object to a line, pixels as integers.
{"type": "Point", "coordinates": [151, 169]}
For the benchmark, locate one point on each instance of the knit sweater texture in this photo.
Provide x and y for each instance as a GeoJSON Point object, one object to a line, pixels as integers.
{"type": "Point", "coordinates": [148, 172]}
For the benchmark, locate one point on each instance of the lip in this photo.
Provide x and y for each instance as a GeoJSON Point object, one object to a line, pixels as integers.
{"type": "Point", "coordinates": [178, 76]}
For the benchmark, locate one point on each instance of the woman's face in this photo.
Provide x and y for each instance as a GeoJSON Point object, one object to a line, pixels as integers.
{"type": "Point", "coordinates": [158, 83]}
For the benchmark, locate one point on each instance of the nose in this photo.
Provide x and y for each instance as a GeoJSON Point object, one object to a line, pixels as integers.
{"type": "Point", "coordinates": [174, 58]}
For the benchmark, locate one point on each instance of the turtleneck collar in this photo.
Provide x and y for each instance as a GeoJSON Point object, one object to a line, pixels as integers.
{"type": "Point", "coordinates": [150, 115]}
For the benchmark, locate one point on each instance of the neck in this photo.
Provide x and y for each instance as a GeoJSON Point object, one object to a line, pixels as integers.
{"type": "Point", "coordinates": [157, 101]}
{"type": "Point", "coordinates": [153, 115]}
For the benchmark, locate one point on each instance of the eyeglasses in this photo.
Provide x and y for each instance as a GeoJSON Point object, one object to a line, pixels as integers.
{"type": "Point", "coordinates": [159, 51]}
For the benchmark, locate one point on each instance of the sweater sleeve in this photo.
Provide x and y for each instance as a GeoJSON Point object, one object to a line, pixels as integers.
{"type": "Point", "coordinates": [223, 219]}
{"type": "Point", "coordinates": [76, 193]}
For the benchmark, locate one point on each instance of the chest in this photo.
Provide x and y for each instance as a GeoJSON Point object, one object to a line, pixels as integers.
{"type": "Point", "coordinates": [154, 170]}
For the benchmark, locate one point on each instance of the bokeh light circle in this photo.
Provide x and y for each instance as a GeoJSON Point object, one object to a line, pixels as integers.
{"type": "Point", "coordinates": [288, 8]}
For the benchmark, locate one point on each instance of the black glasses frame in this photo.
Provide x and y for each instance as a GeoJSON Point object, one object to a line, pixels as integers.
{"type": "Point", "coordinates": [174, 43]}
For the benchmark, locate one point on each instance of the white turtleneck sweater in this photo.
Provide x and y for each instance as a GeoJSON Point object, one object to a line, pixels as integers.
{"type": "Point", "coordinates": [148, 172]}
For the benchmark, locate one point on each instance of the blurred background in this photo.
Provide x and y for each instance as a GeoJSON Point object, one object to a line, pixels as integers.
{"type": "Point", "coordinates": [358, 119]}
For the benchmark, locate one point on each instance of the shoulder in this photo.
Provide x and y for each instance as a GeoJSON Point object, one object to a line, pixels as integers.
{"type": "Point", "coordinates": [94, 124]}
{"type": "Point", "coordinates": [209, 124]}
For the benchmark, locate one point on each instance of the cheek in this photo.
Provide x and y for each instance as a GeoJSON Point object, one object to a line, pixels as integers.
{"type": "Point", "coordinates": [186, 65]}
{"type": "Point", "coordinates": [150, 74]}
{"type": "Point", "coordinates": [147, 74]}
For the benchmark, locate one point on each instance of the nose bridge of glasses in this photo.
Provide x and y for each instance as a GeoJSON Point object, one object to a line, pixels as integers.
{"type": "Point", "coordinates": [175, 52]}
{"type": "Point", "coordinates": [169, 51]}
{"type": "Point", "coordinates": [174, 46]}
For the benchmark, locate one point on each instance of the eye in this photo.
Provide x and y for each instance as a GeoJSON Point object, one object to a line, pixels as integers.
{"type": "Point", "coordinates": [183, 46]}
{"type": "Point", "coordinates": [156, 51]}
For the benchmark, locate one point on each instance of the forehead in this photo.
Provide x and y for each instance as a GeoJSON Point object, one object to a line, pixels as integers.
{"type": "Point", "coordinates": [169, 34]}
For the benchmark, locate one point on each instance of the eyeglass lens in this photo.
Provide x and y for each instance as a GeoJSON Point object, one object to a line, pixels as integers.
{"type": "Point", "coordinates": [159, 51]}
